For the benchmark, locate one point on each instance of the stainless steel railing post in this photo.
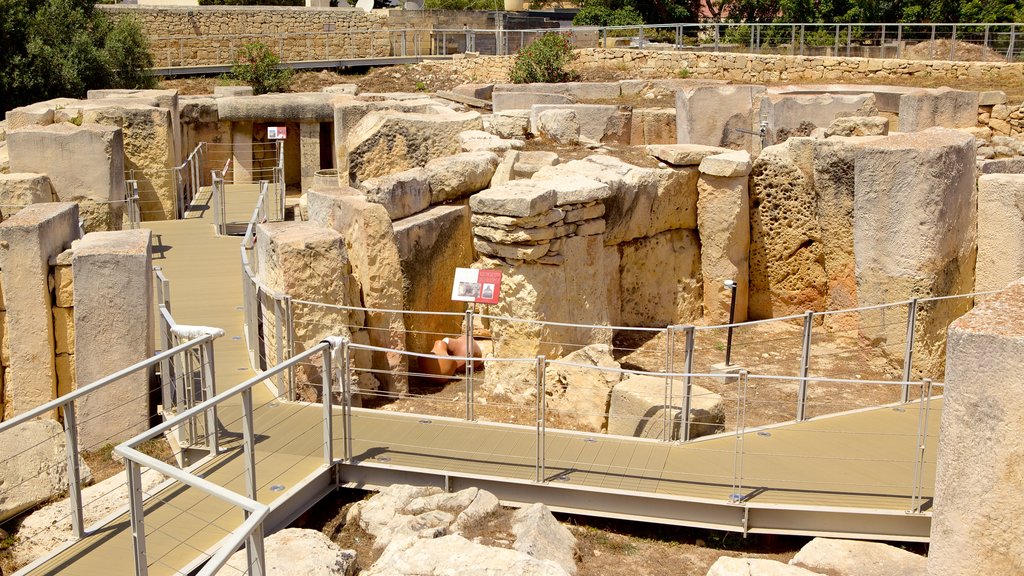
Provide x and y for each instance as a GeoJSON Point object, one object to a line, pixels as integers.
{"type": "Point", "coordinates": [805, 364]}
{"type": "Point", "coordinates": [328, 391]}
{"type": "Point", "coordinates": [541, 391]}
{"type": "Point", "coordinates": [469, 363]}
{"type": "Point", "coordinates": [684, 423]}
{"type": "Point", "coordinates": [669, 364]}
{"type": "Point", "coordinates": [908, 352]}
{"type": "Point", "coordinates": [922, 444]}
{"type": "Point", "coordinates": [137, 515]}
{"type": "Point", "coordinates": [346, 400]}
{"type": "Point", "coordinates": [209, 391]}
{"type": "Point", "coordinates": [741, 414]}
{"type": "Point", "coordinates": [74, 472]}
{"type": "Point", "coordinates": [248, 444]}
{"type": "Point", "coordinates": [254, 552]}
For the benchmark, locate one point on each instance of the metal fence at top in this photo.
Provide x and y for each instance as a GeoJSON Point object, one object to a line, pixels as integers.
{"type": "Point", "coordinates": [940, 41]}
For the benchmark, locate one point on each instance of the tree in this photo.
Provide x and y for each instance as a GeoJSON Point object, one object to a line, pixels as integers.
{"type": "Point", "coordinates": [57, 48]}
{"type": "Point", "coordinates": [257, 66]}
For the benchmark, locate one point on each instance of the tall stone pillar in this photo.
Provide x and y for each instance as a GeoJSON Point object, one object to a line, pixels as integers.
{"type": "Point", "coordinates": [976, 526]}
{"type": "Point", "coordinates": [241, 151]}
{"type": "Point", "coordinates": [27, 242]}
{"type": "Point", "coordinates": [309, 152]}
{"type": "Point", "coordinates": [113, 297]}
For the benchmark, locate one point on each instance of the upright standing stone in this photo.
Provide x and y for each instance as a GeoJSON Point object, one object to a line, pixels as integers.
{"type": "Point", "coordinates": [976, 527]}
{"type": "Point", "coordinates": [940, 107]}
{"type": "Point", "coordinates": [27, 242]}
{"type": "Point", "coordinates": [714, 115]}
{"type": "Point", "coordinates": [1000, 230]}
{"type": "Point", "coordinates": [113, 279]}
{"type": "Point", "coordinates": [241, 151]}
{"type": "Point", "coordinates": [914, 235]}
{"type": "Point", "coordinates": [309, 152]}
{"type": "Point", "coordinates": [723, 221]}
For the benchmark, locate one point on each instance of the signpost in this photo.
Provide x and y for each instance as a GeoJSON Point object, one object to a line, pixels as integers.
{"type": "Point", "coordinates": [474, 287]}
{"type": "Point", "coordinates": [277, 132]}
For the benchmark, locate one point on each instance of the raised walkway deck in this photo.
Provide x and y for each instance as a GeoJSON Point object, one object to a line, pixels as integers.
{"type": "Point", "coordinates": [850, 475]}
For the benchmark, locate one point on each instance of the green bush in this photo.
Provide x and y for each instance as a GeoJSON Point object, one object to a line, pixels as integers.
{"type": "Point", "coordinates": [546, 59]}
{"type": "Point", "coordinates": [128, 55]}
{"type": "Point", "coordinates": [252, 2]}
{"type": "Point", "coordinates": [594, 15]}
{"type": "Point", "coordinates": [257, 66]}
{"type": "Point", "coordinates": [464, 5]}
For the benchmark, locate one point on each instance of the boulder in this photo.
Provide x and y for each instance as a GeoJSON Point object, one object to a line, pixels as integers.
{"type": "Point", "coordinates": [384, 142]}
{"type": "Point", "coordinates": [723, 222]}
{"type": "Point", "coordinates": [726, 165]}
{"type": "Point", "coordinates": [509, 124]}
{"type": "Point", "coordinates": [539, 535]}
{"type": "Point", "coordinates": [33, 466]}
{"type": "Point", "coordinates": [661, 280]}
{"type": "Point", "coordinates": [580, 394]}
{"type": "Point", "coordinates": [857, 558]}
{"type": "Point", "coordinates": [726, 566]}
{"type": "Point", "coordinates": [915, 235]}
{"type": "Point", "coordinates": [858, 126]}
{"type": "Point", "coordinates": [638, 408]}
{"type": "Point", "coordinates": [455, 556]}
{"type": "Point", "coordinates": [684, 154]}
{"type": "Point", "coordinates": [1000, 231]}
{"type": "Point", "coordinates": [789, 115]}
{"type": "Point", "coordinates": [457, 176]}
{"type": "Point", "coordinates": [21, 189]}
{"type": "Point", "coordinates": [559, 125]}
{"type": "Point", "coordinates": [588, 123]}
{"type": "Point", "coordinates": [786, 272]}
{"type": "Point", "coordinates": [299, 552]}
{"type": "Point", "coordinates": [713, 115]}
{"type": "Point", "coordinates": [401, 194]}
{"type": "Point", "coordinates": [940, 107]}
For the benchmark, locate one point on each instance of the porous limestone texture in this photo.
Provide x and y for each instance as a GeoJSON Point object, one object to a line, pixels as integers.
{"type": "Point", "coordinates": [377, 271]}
{"type": "Point", "coordinates": [299, 552]}
{"type": "Point", "coordinates": [85, 165]}
{"type": "Point", "coordinates": [384, 142]}
{"type": "Point", "coordinates": [858, 126]}
{"type": "Point", "coordinates": [711, 115]}
{"type": "Point", "coordinates": [431, 245]}
{"type": "Point", "coordinates": [939, 107]}
{"type": "Point", "coordinates": [723, 222]}
{"type": "Point", "coordinates": [601, 123]}
{"type": "Point", "coordinates": [21, 189]}
{"type": "Point", "coordinates": [309, 152]}
{"type": "Point", "coordinates": [975, 524]}
{"type": "Point", "coordinates": [27, 242]}
{"type": "Point", "coordinates": [1000, 231]}
{"type": "Point", "coordinates": [481, 141]}
{"type": "Point", "coordinates": [509, 124]}
{"type": "Point", "coordinates": [684, 154]}
{"type": "Point", "coordinates": [307, 262]}
{"type": "Point", "coordinates": [453, 555]}
{"type": "Point", "coordinates": [661, 279]}
{"type": "Point", "coordinates": [638, 409]}
{"type": "Point", "coordinates": [787, 275]}
{"type": "Point", "coordinates": [454, 177]}
{"type": "Point", "coordinates": [581, 393]}
{"type": "Point", "coordinates": [791, 115]}
{"type": "Point", "coordinates": [857, 558]}
{"type": "Point", "coordinates": [166, 99]}
{"type": "Point", "coordinates": [726, 566]}
{"type": "Point", "coordinates": [402, 194]}
{"type": "Point", "coordinates": [653, 126]}
{"type": "Point", "coordinates": [113, 300]}
{"type": "Point", "coordinates": [33, 466]}
{"type": "Point", "coordinates": [559, 125]}
{"type": "Point", "coordinates": [914, 236]}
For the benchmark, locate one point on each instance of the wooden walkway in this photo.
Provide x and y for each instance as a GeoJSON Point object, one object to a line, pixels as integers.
{"type": "Point", "coordinates": [858, 463]}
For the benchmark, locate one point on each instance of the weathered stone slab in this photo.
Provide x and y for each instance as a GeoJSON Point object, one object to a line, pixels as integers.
{"type": "Point", "coordinates": [454, 177]}
{"type": "Point", "coordinates": [791, 115]}
{"type": "Point", "coordinates": [596, 122]}
{"type": "Point", "coordinates": [1000, 231]}
{"type": "Point", "coordinates": [525, 252]}
{"type": "Point", "coordinates": [723, 222]}
{"type": "Point", "coordinates": [113, 320]}
{"type": "Point", "coordinates": [711, 115]}
{"type": "Point", "coordinates": [401, 194]}
{"type": "Point", "coordinates": [27, 242]}
{"type": "Point", "coordinates": [858, 126]}
{"type": "Point", "coordinates": [653, 126]}
{"type": "Point", "coordinates": [576, 90]}
{"type": "Point", "coordinates": [350, 89]}
{"type": "Point", "coordinates": [583, 389]}
{"type": "Point", "coordinates": [291, 107]}
{"type": "Point", "coordinates": [518, 198]}
{"type": "Point", "coordinates": [529, 163]}
{"type": "Point", "coordinates": [638, 407]}
{"type": "Point", "coordinates": [233, 91]}
{"type": "Point", "coordinates": [480, 91]}
{"type": "Point", "coordinates": [857, 558]}
{"type": "Point", "coordinates": [727, 165]}
{"type": "Point", "coordinates": [940, 107]}
{"type": "Point", "coordinates": [509, 124]}
{"type": "Point", "coordinates": [85, 165]}
{"type": "Point", "coordinates": [684, 154]}
{"type": "Point", "coordinates": [166, 99]}
{"type": "Point", "coordinates": [505, 101]}
{"type": "Point", "coordinates": [661, 280]}
{"type": "Point", "coordinates": [481, 141]}
{"type": "Point", "coordinates": [418, 556]}
{"type": "Point", "coordinates": [21, 189]}
{"type": "Point", "coordinates": [33, 466]}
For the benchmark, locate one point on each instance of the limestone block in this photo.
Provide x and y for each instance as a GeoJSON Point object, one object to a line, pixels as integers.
{"type": "Point", "coordinates": [661, 280]}
{"type": "Point", "coordinates": [859, 126]}
{"type": "Point", "coordinates": [350, 89]}
{"type": "Point", "coordinates": [65, 364]}
{"type": "Point", "coordinates": [540, 536]}
{"type": "Point", "coordinates": [914, 235]}
{"type": "Point", "coordinates": [481, 141]}
{"type": "Point", "coordinates": [299, 551]}
{"type": "Point", "coordinates": [652, 126]}
{"type": "Point", "coordinates": [384, 142]}
{"type": "Point", "coordinates": [509, 124]}
{"type": "Point", "coordinates": [526, 252]}
{"type": "Point", "coordinates": [518, 198]}
{"type": "Point", "coordinates": [726, 566]}
{"type": "Point", "coordinates": [113, 330]}
{"type": "Point", "coordinates": [505, 101]}
{"type": "Point", "coordinates": [791, 115]}
{"type": "Point", "coordinates": [503, 173]}
{"type": "Point", "coordinates": [577, 90]}
{"type": "Point", "coordinates": [786, 271]}
{"type": "Point", "coordinates": [64, 330]}
{"type": "Point", "coordinates": [457, 176]}
{"type": "Point", "coordinates": [857, 558]}
{"type": "Point", "coordinates": [433, 555]}
{"type": "Point", "coordinates": [1002, 166]}
{"type": "Point", "coordinates": [940, 107]}
{"type": "Point", "coordinates": [479, 91]}
{"type": "Point", "coordinates": [402, 194]}
{"type": "Point", "coordinates": [580, 394]}
{"type": "Point", "coordinates": [291, 107]}
{"type": "Point", "coordinates": [638, 408]}
{"type": "Point", "coordinates": [231, 91]}
{"type": "Point", "coordinates": [529, 163]}
{"type": "Point", "coordinates": [373, 252]}
{"type": "Point", "coordinates": [1000, 231]}
{"type": "Point", "coordinates": [5, 346]}
{"type": "Point", "coordinates": [727, 165]}
{"type": "Point", "coordinates": [431, 245]}
{"type": "Point", "coordinates": [21, 189]}
{"type": "Point", "coordinates": [710, 115]}
{"type": "Point", "coordinates": [166, 99]}
{"type": "Point", "coordinates": [723, 222]}
{"type": "Point", "coordinates": [33, 465]}
{"type": "Point", "coordinates": [149, 139]}
{"type": "Point", "coordinates": [309, 152]}
{"type": "Point", "coordinates": [241, 152]}
{"type": "Point", "coordinates": [684, 154]}
{"type": "Point", "coordinates": [551, 217]}
{"type": "Point", "coordinates": [307, 262]}
{"type": "Point", "coordinates": [977, 481]}
{"type": "Point", "coordinates": [85, 165]}
{"type": "Point", "coordinates": [27, 242]}
{"type": "Point", "coordinates": [589, 122]}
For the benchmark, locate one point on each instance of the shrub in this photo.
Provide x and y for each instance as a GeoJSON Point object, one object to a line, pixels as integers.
{"type": "Point", "coordinates": [546, 59]}
{"type": "Point", "coordinates": [128, 55]}
{"type": "Point", "coordinates": [257, 66]}
{"type": "Point", "coordinates": [595, 15]}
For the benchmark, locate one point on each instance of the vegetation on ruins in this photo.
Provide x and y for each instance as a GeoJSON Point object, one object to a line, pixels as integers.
{"type": "Point", "coordinates": [604, 16]}
{"type": "Point", "coordinates": [257, 66]}
{"type": "Point", "coordinates": [57, 48]}
{"type": "Point", "coordinates": [546, 59]}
